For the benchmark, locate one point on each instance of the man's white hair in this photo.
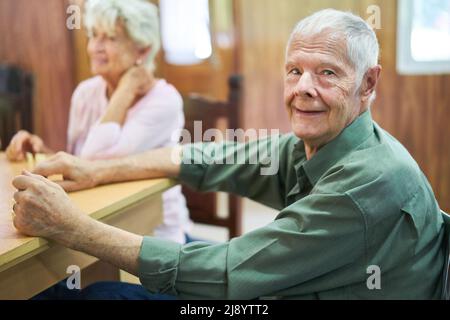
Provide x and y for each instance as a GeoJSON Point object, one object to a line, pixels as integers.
{"type": "Point", "coordinates": [140, 19]}
{"type": "Point", "coordinates": [362, 44]}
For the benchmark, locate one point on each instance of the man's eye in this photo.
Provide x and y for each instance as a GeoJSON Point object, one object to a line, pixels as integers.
{"type": "Point", "coordinates": [295, 72]}
{"type": "Point", "coordinates": [328, 72]}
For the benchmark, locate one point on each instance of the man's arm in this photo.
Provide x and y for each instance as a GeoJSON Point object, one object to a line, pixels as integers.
{"type": "Point", "coordinates": [159, 163]}
{"type": "Point", "coordinates": [113, 245]}
{"type": "Point", "coordinates": [310, 244]}
{"type": "Point", "coordinates": [254, 170]}
{"type": "Point", "coordinates": [43, 209]}
{"type": "Point", "coordinates": [83, 174]}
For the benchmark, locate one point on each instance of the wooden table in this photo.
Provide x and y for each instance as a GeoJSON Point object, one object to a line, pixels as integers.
{"type": "Point", "coordinates": [28, 265]}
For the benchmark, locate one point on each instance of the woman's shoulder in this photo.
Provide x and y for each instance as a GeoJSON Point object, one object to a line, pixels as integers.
{"type": "Point", "coordinates": [88, 90]}
{"type": "Point", "coordinates": [164, 90]}
{"type": "Point", "coordinates": [164, 94]}
{"type": "Point", "coordinates": [91, 84]}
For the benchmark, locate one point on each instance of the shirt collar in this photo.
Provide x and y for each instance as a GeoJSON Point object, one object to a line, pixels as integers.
{"type": "Point", "coordinates": [348, 140]}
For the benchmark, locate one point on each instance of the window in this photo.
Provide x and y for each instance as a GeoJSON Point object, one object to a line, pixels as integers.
{"type": "Point", "coordinates": [185, 31]}
{"type": "Point", "coordinates": [423, 37]}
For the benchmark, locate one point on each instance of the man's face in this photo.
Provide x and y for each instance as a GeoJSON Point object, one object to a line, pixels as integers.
{"type": "Point", "coordinates": [320, 93]}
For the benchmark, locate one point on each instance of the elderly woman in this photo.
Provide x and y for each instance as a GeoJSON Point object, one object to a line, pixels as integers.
{"type": "Point", "coordinates": [123, 109]}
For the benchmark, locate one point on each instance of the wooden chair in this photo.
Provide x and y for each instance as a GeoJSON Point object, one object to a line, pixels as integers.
{"type": "Point", "coordinates": [16, 108]}
{"type": "Point", "coordinates": [203, 207]}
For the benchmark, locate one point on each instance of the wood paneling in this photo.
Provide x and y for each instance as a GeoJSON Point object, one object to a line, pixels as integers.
{"type": "Point", "coordinates": [209, 78]}
{"type": "Point", "coordinates": [416, 110]}
{"type": "Point", "coordinates": [34, 36]}
{"type": "Point", "coordinates": [81, 58]}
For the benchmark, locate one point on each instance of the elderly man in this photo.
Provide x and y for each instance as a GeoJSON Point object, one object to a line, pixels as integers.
{"type": "Point", "coordinates": [357, 218]}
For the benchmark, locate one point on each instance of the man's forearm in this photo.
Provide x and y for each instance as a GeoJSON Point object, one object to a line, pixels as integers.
{"type": "Point", "coordinates": [159, 163]}
{"type": "Point", "coordinates": [115, 246]}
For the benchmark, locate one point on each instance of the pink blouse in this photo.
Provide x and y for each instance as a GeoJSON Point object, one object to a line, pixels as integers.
{"type": "Point", "coordinates": [154, 121]}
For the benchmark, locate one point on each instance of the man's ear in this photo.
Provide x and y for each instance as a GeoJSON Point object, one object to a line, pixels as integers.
{"type": "Point", "coordinates": [369, 83]}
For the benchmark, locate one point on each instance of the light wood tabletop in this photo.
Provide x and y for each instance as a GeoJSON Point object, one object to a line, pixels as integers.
{"type": "Point", "coordinates": [133, 206]}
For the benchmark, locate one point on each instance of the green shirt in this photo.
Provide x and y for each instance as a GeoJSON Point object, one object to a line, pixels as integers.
{"type": "Point", "coordinates": [360, 203]}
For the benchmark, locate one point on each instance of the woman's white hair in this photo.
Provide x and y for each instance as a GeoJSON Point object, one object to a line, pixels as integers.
{"type": "Point", "coordinates": [140, 19]}
{"type": "Point", "coordinates": [362, 44]}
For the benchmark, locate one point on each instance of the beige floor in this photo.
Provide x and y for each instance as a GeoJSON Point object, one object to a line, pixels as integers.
{"type": "Point", "coordinates": [254, 216]}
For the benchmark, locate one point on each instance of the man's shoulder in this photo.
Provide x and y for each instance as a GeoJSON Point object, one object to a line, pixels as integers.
{"type": "Point", "coordinates": [288, 140]}
{"type": "Point", "coordinates": [383, 171]}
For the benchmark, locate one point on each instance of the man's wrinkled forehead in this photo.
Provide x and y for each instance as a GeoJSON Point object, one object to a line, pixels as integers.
{"type": "Point", "coordinates": [328, 43]}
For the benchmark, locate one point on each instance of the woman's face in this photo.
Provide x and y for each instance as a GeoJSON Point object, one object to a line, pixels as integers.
{"type": "Point", "coordinates": [112, 56]}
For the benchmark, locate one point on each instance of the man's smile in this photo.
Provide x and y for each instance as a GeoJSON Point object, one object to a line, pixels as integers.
{"type": "Point", "coordinates": [304, 112]}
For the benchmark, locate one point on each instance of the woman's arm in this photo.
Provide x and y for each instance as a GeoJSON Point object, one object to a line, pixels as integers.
{"type": "Point", "coordinates": [133, 84]}
{"type": "Point", "coordinates": [154, 122]}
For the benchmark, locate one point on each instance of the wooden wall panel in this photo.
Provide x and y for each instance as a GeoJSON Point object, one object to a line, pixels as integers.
{"type": "Point", "coordinates": [209, 78]}
{"type": "Point", "coordinates": [416, 110]}
{"type": "Point", "coordinates": [34, 36]}
{"type": "Point", "coordinates": [81, 58]}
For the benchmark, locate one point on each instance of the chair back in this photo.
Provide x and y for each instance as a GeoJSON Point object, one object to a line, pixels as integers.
{"type": "Point", "coordinates": [16, 109]}
{"type": "Point", "coordinates": [213, 114]}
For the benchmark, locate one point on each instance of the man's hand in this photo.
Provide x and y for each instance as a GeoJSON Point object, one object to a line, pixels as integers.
{"type": "Point", "coordinates": [24, 142]}
{"type": "Point", "coordinates": [78, 174]}
{"type": "Point", "coordinates": [43, 209]}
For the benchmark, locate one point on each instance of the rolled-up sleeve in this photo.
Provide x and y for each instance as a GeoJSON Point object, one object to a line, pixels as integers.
{"type": "Point", "coordinates": [312, 245]}
{"type": "Point", "coordinates": [158, 264]}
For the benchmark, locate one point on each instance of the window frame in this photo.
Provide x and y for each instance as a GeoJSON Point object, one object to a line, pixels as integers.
{"type": "Point", "coordinates": [406, 65]}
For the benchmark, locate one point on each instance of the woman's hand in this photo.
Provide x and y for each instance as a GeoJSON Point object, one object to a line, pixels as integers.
{"type": "Point", "coordinates": [137, 81]}
{"type": "Point", "coordinates": [22, 143]}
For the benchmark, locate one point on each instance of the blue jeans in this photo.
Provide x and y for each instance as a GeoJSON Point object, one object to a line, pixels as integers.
{"type": "Point", "coordinates": [107, 290]}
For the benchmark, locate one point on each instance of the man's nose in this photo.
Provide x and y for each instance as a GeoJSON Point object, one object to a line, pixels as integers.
{"type": "Point", "coordinates": [305, 86]}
